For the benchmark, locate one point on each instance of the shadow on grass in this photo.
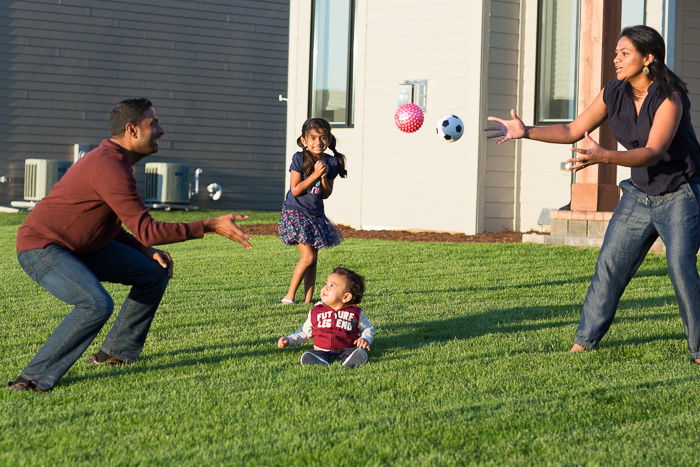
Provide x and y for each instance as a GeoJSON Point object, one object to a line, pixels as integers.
{"type": "Point", "coordinates": [412, 335]}
{"type": "Point", "coordinates": [671, 336]}
{"type": "Point", "coordinates": [203, 348]}
{"type": "Point", "coordinates": [660, 272]}
{"type": "Point", "coordinates": [149, 362]}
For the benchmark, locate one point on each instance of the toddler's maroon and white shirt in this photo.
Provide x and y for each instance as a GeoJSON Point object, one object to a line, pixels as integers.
{"type": "Point", "coordinates": [333, 329]}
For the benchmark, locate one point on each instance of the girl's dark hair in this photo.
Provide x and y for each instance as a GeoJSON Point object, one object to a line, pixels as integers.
{"type": "Point", "coordinates": [648, 41]}
{"type": "Point", "coordinates": [355, 281]}
{"type": "Point", "coordinates": [127, 111]}
{"type": "Point", "coordinates": [309, 161]}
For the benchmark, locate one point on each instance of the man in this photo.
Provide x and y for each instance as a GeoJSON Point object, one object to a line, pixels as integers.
{"type": "Point", "coordinates": [73, 239]}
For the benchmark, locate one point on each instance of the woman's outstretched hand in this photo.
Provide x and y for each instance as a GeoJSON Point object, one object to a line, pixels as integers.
{"type": "Point", "coordinates": [507, 129]}
{"type": "Point", "coordinates": [593, 153]}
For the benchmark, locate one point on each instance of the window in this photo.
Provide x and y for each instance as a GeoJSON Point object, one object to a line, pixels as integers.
{"type": "Point", "coordinates": [330, 93]}
{"type": "Point", "coordinates": [557, 59]}
{"type": "Point", "coordinates": [633, 12]}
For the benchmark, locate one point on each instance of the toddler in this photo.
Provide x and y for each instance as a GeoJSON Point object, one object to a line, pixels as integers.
{"type": "Point", "coordinates": [338, 326]}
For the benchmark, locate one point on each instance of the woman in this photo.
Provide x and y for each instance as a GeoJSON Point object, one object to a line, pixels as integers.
{"type": "Point", "coordinates": [648, 109]}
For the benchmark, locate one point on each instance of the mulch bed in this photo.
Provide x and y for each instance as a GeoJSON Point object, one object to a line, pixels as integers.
{"type": "Point", "coordinates": [403, 235]}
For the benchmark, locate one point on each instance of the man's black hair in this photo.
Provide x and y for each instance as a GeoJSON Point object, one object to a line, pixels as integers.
{"type": "Point", "coordinates": [127, 111]}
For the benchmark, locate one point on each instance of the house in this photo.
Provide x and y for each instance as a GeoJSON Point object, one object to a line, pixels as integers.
{"type": "Point", "coordinates": [213, 69]}
{"type": "Point", "coordinates": [471, 58]}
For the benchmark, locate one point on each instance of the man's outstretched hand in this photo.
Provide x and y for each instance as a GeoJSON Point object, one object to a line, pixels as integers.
{"type": "Point", "coordinates": [226, 226]}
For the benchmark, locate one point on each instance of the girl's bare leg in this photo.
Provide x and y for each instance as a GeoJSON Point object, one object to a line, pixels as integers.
{"type": "Point", "coordinates": [307, 258]}
{"type": "Point", "coordinates": [310, 278]}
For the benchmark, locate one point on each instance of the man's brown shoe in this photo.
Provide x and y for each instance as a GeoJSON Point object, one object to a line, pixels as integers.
{"type": "Point", "coordinates": [101, 358]}
{"type": "Point", "coordinates": [23, 385]}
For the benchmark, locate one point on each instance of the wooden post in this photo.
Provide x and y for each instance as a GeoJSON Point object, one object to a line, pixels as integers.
{"type": "Point", "coordinates": [595, 188]}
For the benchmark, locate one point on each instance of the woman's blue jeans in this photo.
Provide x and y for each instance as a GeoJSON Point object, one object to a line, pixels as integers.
{"type": "Point", "coordinates": [638, 221]}
{"type": "Point", "coordinates": [76, 281]}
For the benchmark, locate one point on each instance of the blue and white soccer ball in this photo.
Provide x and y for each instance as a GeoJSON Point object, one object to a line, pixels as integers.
{"type": "Point", "coordinates": [450, 128]}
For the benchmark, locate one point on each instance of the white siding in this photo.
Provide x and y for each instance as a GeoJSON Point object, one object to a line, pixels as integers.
{"type": "Point", "coordinates": [212, 68]}
{"type": "Point", "coordinates": [417, 180]}
{"type": "Point", "coordinates": [542, 182]}
{"type": "Point", "coordinates": [399, 180]}
{"type": "Point", "coordinates": [500, 197]}
{"type": "Point", "coordinates": [479, 58]}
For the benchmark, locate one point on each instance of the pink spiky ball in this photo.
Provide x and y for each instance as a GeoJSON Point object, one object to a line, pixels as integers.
{"type": "Point", "coordinates": [409, 118]}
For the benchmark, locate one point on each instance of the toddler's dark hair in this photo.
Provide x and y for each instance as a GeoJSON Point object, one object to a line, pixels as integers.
{"type": "Point", "coordinates": [356, 282]}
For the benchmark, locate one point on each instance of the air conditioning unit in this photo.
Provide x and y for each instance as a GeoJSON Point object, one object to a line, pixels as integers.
{"type": "Point", "coordinates": [40, 175]}
{"type": "Point", "coordinates": [167, 183]}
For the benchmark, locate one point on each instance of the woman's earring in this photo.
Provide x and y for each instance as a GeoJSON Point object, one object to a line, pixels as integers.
{"type": "Point", "coordinates": [645, 70]}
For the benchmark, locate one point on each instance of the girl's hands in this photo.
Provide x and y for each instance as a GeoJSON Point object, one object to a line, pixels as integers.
{"type": "Point", "coordinates": [282, 342]}
{"type": "Point", "coordinates": [508, 129]}
{"type": "Point", "coordinates": [594, 153]}
{"type": "Point", "coordinates": [320, 169]}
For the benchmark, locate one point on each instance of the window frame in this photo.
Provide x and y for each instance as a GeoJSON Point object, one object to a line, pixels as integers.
{"type": "Point", "coordinates": [539, 64]}
{"type": "Point", "coordinates": [349, 85]}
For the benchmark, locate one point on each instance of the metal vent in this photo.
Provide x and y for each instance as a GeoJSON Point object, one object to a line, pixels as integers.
{"type": "Point", "coordinates": [167, 183]}
{"type": "Point", "coordinates": [40, 175]}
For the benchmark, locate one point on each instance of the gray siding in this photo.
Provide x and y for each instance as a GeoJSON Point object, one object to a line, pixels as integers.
{"type": "Point", "coordinates": [213, 70]}
{"type": "Point", "coordinates": [688, 54]}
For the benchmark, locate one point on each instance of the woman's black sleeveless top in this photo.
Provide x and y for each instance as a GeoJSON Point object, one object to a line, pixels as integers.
{"type": "Point", "coordinates": [679, 164]}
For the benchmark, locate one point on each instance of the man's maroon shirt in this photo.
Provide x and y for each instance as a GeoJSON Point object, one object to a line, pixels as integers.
{"type": "Point", "coordinates": [85, 210]}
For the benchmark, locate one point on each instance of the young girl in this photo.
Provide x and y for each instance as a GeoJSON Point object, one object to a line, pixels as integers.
{"type": "Point", "coordinates": [303, 221]}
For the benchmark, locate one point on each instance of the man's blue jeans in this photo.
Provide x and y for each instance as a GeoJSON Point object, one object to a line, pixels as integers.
{"type": "Point", "coordinates": [638, 221]}
{"type": "Point", "coordinates": [76, 281]}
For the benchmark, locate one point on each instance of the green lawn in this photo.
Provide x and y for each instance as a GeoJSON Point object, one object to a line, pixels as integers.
{"type": "Point", "coordinates": [469, 365]}
{"type": "Point", "coordinates": [255, 217]}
